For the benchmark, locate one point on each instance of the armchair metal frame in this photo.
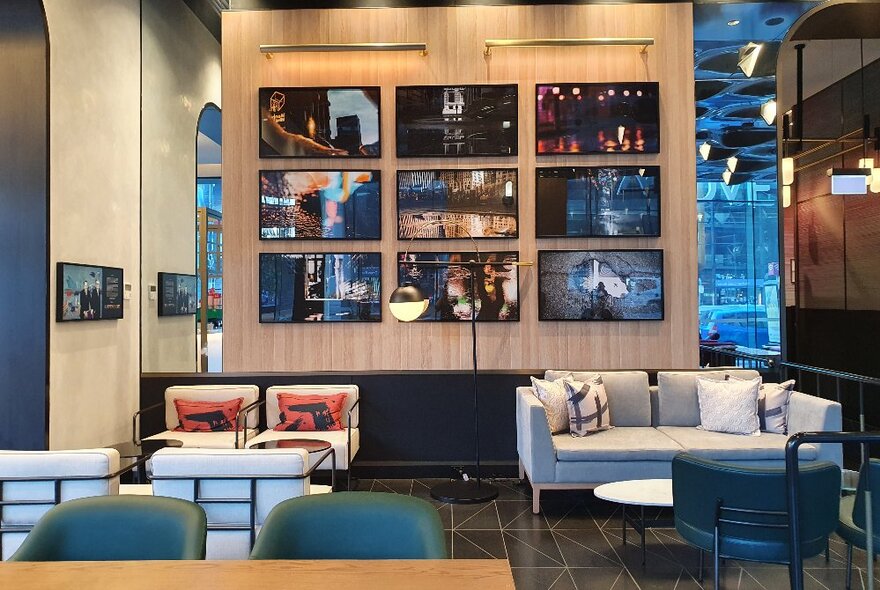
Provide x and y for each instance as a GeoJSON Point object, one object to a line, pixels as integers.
{"type": "Point", "coordinates": [136, 423]}
{"type": "Point", "coordinates": [56, 499]}
{"type": "Point", "coordinates": [250, 500]}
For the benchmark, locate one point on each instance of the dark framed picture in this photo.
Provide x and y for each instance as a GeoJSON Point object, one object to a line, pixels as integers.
{"type": "Point", "coordinates": [598, 117]}
{"type": "Point", "coordinates": [320, 205]}
{"type": "Point", "coordinates": [85, 292]}
{"type": "Point", "coordinates": [463, 120]}
{"type": "Point", "coordinates": [479, 203]}
{"type": "Point", "coordinates": [320, 122]}
{"type": "Point", "coordinates": [584, 202]}
{"type": "Point", "coordinates": [449, 287]}
{"type": "Point", "coordinates": [600, 285]}
{"type": "Point", "coordinates": [178, 294]}
{"type": "Point", "coordinates": [320, 287]}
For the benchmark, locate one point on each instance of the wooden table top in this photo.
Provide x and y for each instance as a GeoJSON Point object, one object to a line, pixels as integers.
{"type": "Point", "coordinates": [465, 574]}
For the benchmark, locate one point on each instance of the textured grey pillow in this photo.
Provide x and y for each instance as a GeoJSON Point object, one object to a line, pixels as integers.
{"type": "Point", "coordinates": [773, 401]}
{"type": "Point", "coordinates": [554, 398]}
{"type": "Point", "coordinates": [729, 406]}
{"type": "Point", "coordinates": [587, 407]}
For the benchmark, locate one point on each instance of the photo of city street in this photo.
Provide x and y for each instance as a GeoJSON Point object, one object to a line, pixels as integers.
{"type": "Point", "coordinates": [463, 203]}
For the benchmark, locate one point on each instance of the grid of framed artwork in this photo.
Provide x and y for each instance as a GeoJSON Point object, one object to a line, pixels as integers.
{"type": "Point", "coordinates": [461, 121]}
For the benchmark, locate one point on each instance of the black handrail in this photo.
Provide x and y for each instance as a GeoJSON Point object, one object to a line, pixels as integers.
{"type": "Point", "coordinates": [715, 355]}
{"type": "Point", "coordinates": [796, 564]}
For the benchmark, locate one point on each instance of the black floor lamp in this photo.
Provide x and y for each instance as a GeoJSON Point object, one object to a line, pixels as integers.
{"type": "Point", "coordinates": [407, 304]}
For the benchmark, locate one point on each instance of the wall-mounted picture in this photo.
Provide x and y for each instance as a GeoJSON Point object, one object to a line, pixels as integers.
{"type": "Point", "coordinates": [600, 285]}
{"type": "Point", "coordinates": [472, 203]}
{"type": "Point", "coordinates": [320, 205]}
{"type": "Point", "coordinates": [622, 117]}
{"type": "Point", "coordinates": [323, 122]}
{"type": "Point", "coordinates": [449, 288]}
{"type": "Point", "coordinates": [457, 120]}
{"type": "Point", "coordinates": [178, 294]}
{"type": "Point", "coordinates": [86, 292]}
{"type": "Point", "coordinates": [320, 288]}
{"type": "Point", "coordinates": [597, 201]}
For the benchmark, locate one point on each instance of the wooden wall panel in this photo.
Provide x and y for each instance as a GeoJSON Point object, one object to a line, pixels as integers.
{"type": "Point", "coordinates": [820, 253]}
{"type": "Point", "coordinates": [455, 39]}
{"type": "Point", "coordinates": [862, 246]}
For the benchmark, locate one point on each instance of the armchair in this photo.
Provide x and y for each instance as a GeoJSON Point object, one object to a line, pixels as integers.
{"type": "Point", "coordinates": [853, 515]}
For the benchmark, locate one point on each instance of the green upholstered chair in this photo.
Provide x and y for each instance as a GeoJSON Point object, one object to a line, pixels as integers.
{"type": "Point", "coordinates": [742, 512]}
{"type": "Point", "coordinates": [117, 528]}
{"type": "Point", "coordinates": [852, 515]}
{"type": "Point", "coordinates": [352, 525]}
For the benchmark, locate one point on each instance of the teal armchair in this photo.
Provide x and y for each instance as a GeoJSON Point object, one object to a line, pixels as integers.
{"type": "Point", "coordinates": [117, 528]}
{"type": "Point", "coordinates": [853, 519]}
{"type": "Point", "coordinates": [739, 512]}
{"type": "Point", "coordinates": [352, 525]}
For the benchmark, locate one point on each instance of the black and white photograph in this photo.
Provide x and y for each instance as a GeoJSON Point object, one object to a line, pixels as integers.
{"type": "Point", "coordinates": [448, 288]}
{"type": "Point", "coordinates": [178, 294]}
{"type": "Point", "coordinates": [457, 203]}
{"type": "Point", "coordinates": [593, 118]}
{"type": "Point", "coordinates": [600, 285]}
{"type": "Point", "coordinates": [320, 205]}
{"type": "Point", "coordinates": [86, 292]}
{"type": "Point", "coordinates": [320, 288]}
{"type": "Point", "coordinates": [465, 120]}
{"type": "Point", "coordinates": [583, 202]}
{"type": "Point", "coordinates": [323, 122]}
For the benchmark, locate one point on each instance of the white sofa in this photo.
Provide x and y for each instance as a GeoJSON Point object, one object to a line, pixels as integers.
{"type": "Point", "coordinates": [346, 442]}
{"type": "Point", "coordinates": [79, 474]}
{"type": "Point", "coordinates": [205, 476]}
{"type": "Point", "coordinates": [249, 415]}
{"type": "Point", "coordinates": [651, 425]}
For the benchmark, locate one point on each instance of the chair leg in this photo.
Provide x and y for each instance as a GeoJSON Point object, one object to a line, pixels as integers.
{"type": "Point", "coordinates": [522, 472]}
{"type": "Point", "coordinates": [849, 552]}
{"type": "Point", "coordinates": [717, 573]}
{"type": "Point", "coordinates": [536, 499]}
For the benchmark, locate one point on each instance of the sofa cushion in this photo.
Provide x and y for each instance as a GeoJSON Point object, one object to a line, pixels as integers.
{"type": "Point", "coordinates": [720, 446]}
{"type": "Point", "coordinates": [622, 443]}
{"type": "Point", "coordinates": [587, 407]}
{"type": "Point", "coordinates": [629, 401]}
{"type": "Point", "coordinates": [677, 403]}
{"type": "Point", "coordinates": [729, 406]}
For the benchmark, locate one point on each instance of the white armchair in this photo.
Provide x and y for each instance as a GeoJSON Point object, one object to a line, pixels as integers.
{"type": "Point", "coordinates": [345, 442]}
{"type": "Point", "coordinates": [236, 487]}
{"type": "Point", "coordinates": [32, 482]}
{"type": "Point", "coordinates": [246, 422]}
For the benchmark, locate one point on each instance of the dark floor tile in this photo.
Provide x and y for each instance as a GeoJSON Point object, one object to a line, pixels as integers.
{"type": "Point", "coordinates": [445, 513]}
{"type": "Point", "coordinates": [478, 545]}
{"type": "Point", "coordinates": [397, 486]}
{"type": "Point", "coordinates": [516, 514]}
{"type": "Point", "coordinates": [776, 576]}
{"type": "Point", "coordinates": [533, 548]}
{"type": "Point", "coordinates": [475, 516]}
{"type": "Point", "coordinates": [574, 516]}
{"type": "Point", "coordinates": [600, 578]}
{"type": "Point", "coordinates": [509, 489]}
{"type": "Point", "coordinates": [537, 578]}
{"type": "Point", "coordinates": [585, 549]}
{"type": "Point", "coordinates": [361, 485]}
{"type": "Point", "coordinates": [833, 579]}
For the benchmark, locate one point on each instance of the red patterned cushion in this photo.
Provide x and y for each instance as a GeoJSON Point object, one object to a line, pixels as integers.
{"type": "Point", "coordinates": [202, 416]}
{"type": "Point", "coordinates": [310, 412]}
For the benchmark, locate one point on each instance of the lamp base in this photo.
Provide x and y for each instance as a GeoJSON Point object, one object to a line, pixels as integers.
{"type": "Point", "coordinates": [464, 492]}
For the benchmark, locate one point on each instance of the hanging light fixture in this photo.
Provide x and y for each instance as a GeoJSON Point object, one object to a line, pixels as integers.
{"type": "Point", "coordinates": [768, 111]}
{"type": "Point", "coordinates": [731, 163]}
{"type": "Point", "coordinates": [748, 57]}
{"type": "Point", "coordinates": [408, 303]}
{"type": "Point", "coordinates": [726, 176]}
{"type": "Point", "coordinates": [786, 196]}
{"type": "Point", "coordinates": [787, 171]}
{"type": "Point", "coordinates": [705, 150]}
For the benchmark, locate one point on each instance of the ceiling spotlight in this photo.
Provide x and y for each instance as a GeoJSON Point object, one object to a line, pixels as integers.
{"type": "Point", "coordinates": [731, 163]}
{"type": "Point", "coordinates": [748, 57]}
{"type": "Point", "coordinates": [768, 111]}
{"type": "Point", "coordinates": [733, 22]}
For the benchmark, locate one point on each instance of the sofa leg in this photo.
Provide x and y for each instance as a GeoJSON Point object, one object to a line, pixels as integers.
{"type": "Point", "coordinates": [536, 499]}
{"type": "Point", "coordinates": [522, 472]}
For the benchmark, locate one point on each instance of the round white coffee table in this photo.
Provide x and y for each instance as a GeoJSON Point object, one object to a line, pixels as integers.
{"type": "Point", "coordinates": [641, 493]}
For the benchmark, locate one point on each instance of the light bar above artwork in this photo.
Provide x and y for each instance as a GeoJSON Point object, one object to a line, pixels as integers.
{"type": "Point", "coordinates": [270, 50]}
{"type": "Point", "coordinates": [642, 42]}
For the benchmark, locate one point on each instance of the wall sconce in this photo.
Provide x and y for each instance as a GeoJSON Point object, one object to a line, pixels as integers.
{"type": "Point", "coordinates": [786, 196]}
{"type": "Point", "coordinates": [642, 42]}
{"type": "Point", "coordinates": [787, 171]}
{"type": "Point", "coordinates": [270, 50]}
{"type": "Point", "coordinates": [768, 111]}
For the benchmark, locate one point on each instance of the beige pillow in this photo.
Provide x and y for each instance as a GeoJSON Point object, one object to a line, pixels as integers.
{"type": "Point", "coordinates": [729, 406]}
{"type": "Point", "coordinates": [587, 407]}
{"type": "Point", "coordinates": [553, 397]}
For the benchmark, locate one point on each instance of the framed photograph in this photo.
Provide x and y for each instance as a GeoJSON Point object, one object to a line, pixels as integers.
{"type": "Point", "coordinates": [595, 118]}
{"type": "Point", "coordinates": [320, 287]}
{"type": "Point", "coordinates": [320, 205]}
{"type": "Point", "coordinates": [464, 120]}
{"type": "Point", "coordinates": [600, 285]}
{"type": "Point", "coordinates": [484, 202]}
{"type": "Point", "coordinates": [449, 287]}
{"type": "Point", "coordinates": [85, 292]}
{"type": "Point", "coordinates": [321, 122]}
{"type": "Point", "coordinates": [597, 202]}
{"type": "Point", "coordinates": [178, 294]}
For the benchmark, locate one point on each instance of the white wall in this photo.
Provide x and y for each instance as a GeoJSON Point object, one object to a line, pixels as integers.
{"type": "Point", "coordinates": [94, 169]}
{"type": "Point", "coordinates": [181, 73]}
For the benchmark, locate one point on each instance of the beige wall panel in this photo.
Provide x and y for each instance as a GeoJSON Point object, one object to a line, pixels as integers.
{"type": "Point", "coordinates": [455, 40]}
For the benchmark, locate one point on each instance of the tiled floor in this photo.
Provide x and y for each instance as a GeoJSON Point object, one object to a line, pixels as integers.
{"type": "Point", "coordinates": [575, 543]}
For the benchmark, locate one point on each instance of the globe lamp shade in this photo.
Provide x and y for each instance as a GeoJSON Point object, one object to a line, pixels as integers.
{"type": "Point", "coordinates": [408, 303]}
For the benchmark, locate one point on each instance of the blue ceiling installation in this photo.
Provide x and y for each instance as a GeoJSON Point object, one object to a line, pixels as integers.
{"type": "Point", "coordinates": [728, 103]}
